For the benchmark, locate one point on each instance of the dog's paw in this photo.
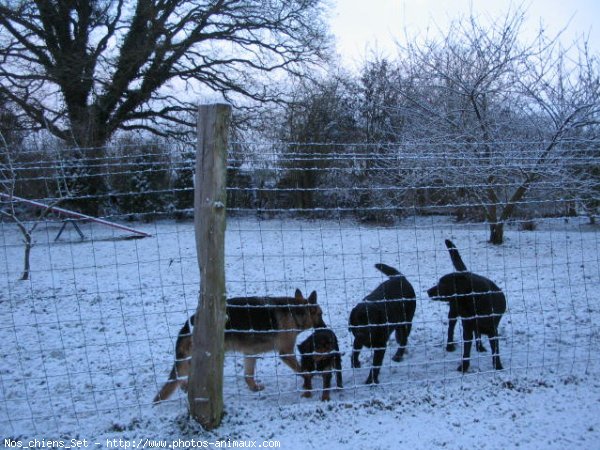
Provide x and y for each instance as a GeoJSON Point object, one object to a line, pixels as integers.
{"type": "Point", "coordinates": [450, 347]}
{"type": "Point", "coordinates": [398, 356]}
{"type": "Point", "coordinates": [307, 394]}
{"type": "Point", "coordinates": [325, 398]}
{"type": "Point", "coordinates": [257, 387]}
{"type": "Point", "coordinates": [371, 380]}
{"type": "Point", "coordinates": [464, 367]}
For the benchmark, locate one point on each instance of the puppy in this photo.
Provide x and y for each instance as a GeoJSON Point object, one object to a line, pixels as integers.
{"type": "Point", "coordinates": [389, 308]}
{"type": "Point", "coordinates": [320, 353]}
{"type": "Point", "coordinates": [476, 300]}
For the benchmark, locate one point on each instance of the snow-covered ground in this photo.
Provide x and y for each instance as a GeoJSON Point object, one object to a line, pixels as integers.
{"type": "Point", "coordinates": [86, 343]}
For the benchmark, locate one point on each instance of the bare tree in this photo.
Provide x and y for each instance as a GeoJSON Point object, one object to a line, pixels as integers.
{"type": "Point", "coordinates": [379, 97]}
{"type": "Point", "coordinates": [85, 69]}
{"type": "Point", "coordinates": [8, 210]}
{"type": "Point", "coordinates": [320, 113]}
{"type": "Point", "coordinates": [499, 115]}
{"type": "Point", "coordinates": [9, 181]}
{"type": "Point", "coordinates": [10, 132]}
{"type": "Point", "coordinates": [82, 70]}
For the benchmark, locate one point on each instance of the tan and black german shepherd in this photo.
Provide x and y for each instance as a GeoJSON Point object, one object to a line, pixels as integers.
{"type": "Point", "coordinates": [254, 325]}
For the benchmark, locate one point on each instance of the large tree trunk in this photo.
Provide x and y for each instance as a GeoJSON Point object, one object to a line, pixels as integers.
{"type": "Point", "coordinates": [496, 226]}
{"type": "Point", "coordinates": [89, 174]}
{"type": "Point", "coordinates": [497, 223]}
{"type": "Point", "coordinates": [497, 233]}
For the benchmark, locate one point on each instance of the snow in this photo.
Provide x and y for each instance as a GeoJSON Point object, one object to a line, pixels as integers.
{"type": "Point", "coordinates": [87, 342]}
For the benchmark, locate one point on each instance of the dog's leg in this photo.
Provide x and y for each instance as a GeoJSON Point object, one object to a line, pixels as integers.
{"type": "Point", "coordinates": [467, 343]}
{"type": "Point", "coordinates": [452, 319]}
{"type": "Point", "coordinates": [495, 352]}
{"type": "Point", "coordinates": [356, 347]}
{"type": "Point", "coordinates": [326, 385]}
{"type": "Point", "coordinates": [307, 386]}
{"type": "Point", "coordinates": [378, 355]}
{"type": "Point", "coordinates": [402, 333]}
{"type": "Point", "coordinates": [478, 343]}
{"type": "Point", "coordinates": [307, 366]}
{"type": "Point", "coordinates": [249, 370]}
{"type": "Point", "coordinates": [450, 345]}
{"type": "Point", "coordinates": [338, 370]}
{"type": "Point", "coordinates": [479, 322]}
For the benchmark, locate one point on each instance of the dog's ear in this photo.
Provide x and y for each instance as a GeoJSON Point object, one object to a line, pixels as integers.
{"type": "Point", "coordinates": [298, 295]}
{"type": "Point", "coordinates": [312, 298]}
{"type": "Point", "coordinates": [433, 291]}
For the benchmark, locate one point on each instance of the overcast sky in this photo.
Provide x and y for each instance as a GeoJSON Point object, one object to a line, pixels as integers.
{"type": "Point", "coordinates": [362, 26]}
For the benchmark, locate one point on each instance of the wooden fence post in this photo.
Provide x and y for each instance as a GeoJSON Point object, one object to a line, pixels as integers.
{"type": "Point", "coordinates": [205, 385]}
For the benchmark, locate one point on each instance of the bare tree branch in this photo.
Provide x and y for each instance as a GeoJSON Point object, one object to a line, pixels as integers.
{"type": "Point", "coordinates": [110, 64]}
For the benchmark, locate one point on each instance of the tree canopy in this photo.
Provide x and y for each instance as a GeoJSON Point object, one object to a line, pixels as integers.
{"type": "Point", "coordinates": [83, 69]}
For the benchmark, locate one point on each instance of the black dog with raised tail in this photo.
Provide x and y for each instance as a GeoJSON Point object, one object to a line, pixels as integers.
{"type": "Point", "coordinates": [389, 308]}
{"type": "Point", "coordinates": [477, 300]}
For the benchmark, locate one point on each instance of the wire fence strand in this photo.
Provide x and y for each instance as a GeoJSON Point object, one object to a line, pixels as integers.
{"type": "Point", "coordinates": [90, 335]}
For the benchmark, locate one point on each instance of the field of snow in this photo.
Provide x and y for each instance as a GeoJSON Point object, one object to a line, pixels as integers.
{"type": "Point", "coordinates": [86, 343]}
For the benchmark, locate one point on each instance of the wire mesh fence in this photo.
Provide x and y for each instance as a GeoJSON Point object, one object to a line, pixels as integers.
{"type": "Point", "coordinates": [89, 335]}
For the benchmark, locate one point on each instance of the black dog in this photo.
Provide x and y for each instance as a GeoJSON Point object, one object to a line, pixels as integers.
{"type": "Point", "coordinates": [477, 300]}
{"type": "Point", "coordinates": [390, 307]}
{"type": "Point", "coordinates": [320, 353]}
{"type": "Point", "coordinates": [459, 265]}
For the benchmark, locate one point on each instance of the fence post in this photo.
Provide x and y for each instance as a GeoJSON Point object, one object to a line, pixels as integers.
{"type": "Point", "coordinates": [205, 385]}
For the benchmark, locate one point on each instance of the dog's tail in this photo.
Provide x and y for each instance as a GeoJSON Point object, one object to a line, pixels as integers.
{"type": "Point", "coordinates": [181, 367]}
{"type": "Point", "coordinates": [169, 387]}
{"type": "Point", "coordinates": [387, 270]}
{"type": "Point", "coordinates": [457, 261]}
